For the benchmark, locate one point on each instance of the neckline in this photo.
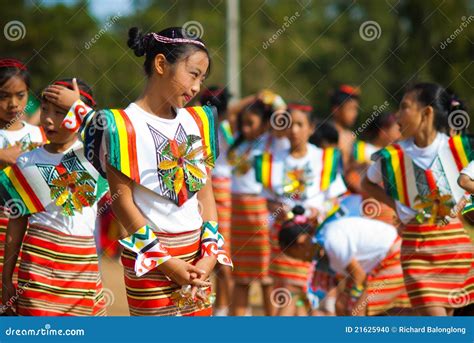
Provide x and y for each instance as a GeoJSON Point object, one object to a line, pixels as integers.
{"type": "Point", "coordinates": [154, 116]}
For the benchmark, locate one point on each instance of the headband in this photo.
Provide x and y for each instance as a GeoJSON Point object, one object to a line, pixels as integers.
{"type": "Point", "coordinates": [11, 63]}
{"type": "Point", "coordinates": [167, 40]}
{"type": "Point", "coordinates": [84, 94]}
{"type": "Point", "coordinates": [353, 91]}
{"type": "Point", "coordinates": [299, 107]}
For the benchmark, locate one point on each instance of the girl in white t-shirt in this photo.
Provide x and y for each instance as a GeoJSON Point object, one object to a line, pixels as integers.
{"type": "Point", "coordinates": [419, 178]}
{"type": "Point", "coordinates": [54, 191]}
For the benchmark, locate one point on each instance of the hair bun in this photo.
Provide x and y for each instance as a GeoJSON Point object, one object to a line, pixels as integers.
{"type": "Point", "coordinates": [136, 41]}
{"type": "Point", "coordinates": [298, 210]}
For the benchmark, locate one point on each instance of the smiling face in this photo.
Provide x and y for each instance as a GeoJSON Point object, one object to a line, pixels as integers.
{"type": "Point", "coordinates": [184, 78]}
{"type": "Point", "coordinates": [51, 120]}
{"type": "Point", "coordinates": [13, 99]}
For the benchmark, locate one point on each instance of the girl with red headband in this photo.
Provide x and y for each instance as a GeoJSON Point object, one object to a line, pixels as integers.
{"type": "Point", "coordinates": [16, 135]}
{"type": "Point", "coordinates": [54, 191]}
{"type": "Point", "coordinates": [158, 156]}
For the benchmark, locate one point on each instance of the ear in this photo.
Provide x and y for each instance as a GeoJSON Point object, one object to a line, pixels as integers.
{"type": "Point", "coordinates": [160, 64]}
{"type": "Point", "coordinates": [301, 239]}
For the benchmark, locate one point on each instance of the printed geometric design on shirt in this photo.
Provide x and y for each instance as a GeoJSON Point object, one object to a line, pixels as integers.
{"type": "Point", "coordinates": [25, 143]}
{"type": "Point", "coordinates": [178, 163]}
{"type": "Point", "coordinates": [297, 180]}
{"type": "Point", "coordinates": [421, 181]}
{"type": "Point", "coordinates": [71, 186]}
{"type": "Point", "coordinates": [440, 177]}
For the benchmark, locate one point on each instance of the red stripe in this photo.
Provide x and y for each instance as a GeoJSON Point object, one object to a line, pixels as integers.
{"type": "Point", "coordinates": [26, 187]}
{"type": "Point", "coordinates": [431, 180]}
{"type": "Point", "coordinates": [61, 169]}
{"type": "Point", "coordinates": [403, 170]}
{"type": "Point", "coordinates": [322, 170]}
{"type": "Point", "coordinates": [198, 121]}
{"type": "Point", "coordinates": [132, 147]}
{"type": "Point", "coordinates": [455, 153]}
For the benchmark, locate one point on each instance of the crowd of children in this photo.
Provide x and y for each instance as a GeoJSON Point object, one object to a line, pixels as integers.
{"type": "Point", "coordinates": [208, 200]}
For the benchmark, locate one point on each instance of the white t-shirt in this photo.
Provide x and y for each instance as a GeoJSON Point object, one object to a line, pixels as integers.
{"type": "Point", "coordinates": [27, 134]}
{"type": "Point", "coordinates": [311, 162]}
{"type": "Point", "coordinates": [161, 213]}
{"type": "Point", "coordinates": [469, 170]}
{"type": "Point", "coordinates": [81, 224]}
{"type": "Point", "coordinates": [423, 157]}
{"type": "Point", "coordinates": [366, 240]}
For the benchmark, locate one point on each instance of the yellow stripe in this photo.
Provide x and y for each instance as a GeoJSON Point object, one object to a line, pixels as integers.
{"type": "Point", "coordinates": [266, 170]}
{"type": "Point", "coordinates": [328, 157]}
{"type": "Point", "coordinates": [123, 139]}
{"type": "Point", "coordinates": [398, 172]}
{"type": "Point", "coordinates": [361, 151]}
{"type": "Point", "coordinates": [460, 149]}
{"type": "Point", "coordinates": [205, 126]}
{"type": "Point", "coordinates": [19, 188]}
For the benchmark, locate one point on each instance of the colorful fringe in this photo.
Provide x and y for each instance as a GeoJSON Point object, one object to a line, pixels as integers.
{"type": "Point", "coordinates": [150, 294]}
{"type": "Point", "coordinates": [359, 152]}
{"type": "Point", "coordinates": [250, 244]}
{"type": "Point", "coordinates": [438, 265]}
{"type": "Point", "coordinates": [331, 165]}
{"type": "Point", "coordinates": [59, 275]}
{"type": "Point", "coordinates": [385, 287]}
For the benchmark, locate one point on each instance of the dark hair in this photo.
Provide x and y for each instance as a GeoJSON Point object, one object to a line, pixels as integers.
{"type": "Point", "coordinates": [305, 108]}
{"type": "Point", "coordinates": [290, 230]}
{"type": "Point", "coordinates": [442, 101]}
{"type": "Point", "coordinates": [217, 97]}
{"type": "Point", "coordinates": [325, 133]}
{"type": "Point", "coordinates": [342, 94]}
{"type": "Point", "coordinates": [263, 111]}
{"type": "Point", "coordinates": [147, 45]}
{"type": "Point", "coordinates": [85, 90]}
{"type": "Point", "coordinates": [14, 69]}
{"type": "Point", "coordinates": [383, 121]}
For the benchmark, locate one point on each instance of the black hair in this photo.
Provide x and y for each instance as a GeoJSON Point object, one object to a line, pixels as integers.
{"type": "Point", "coordinates": [6, 73]}
{"type": "Point", "coordinates": [325, 133]}
{"type": "Point", "coordinates": [263, 111]}
{"type": "Point", "coordinates": [86, 95]}
{"type": "Point", "coordinates": [442, 101]}
{"type": "Point", "coordinates": [173, 52]}
{"type": "Point", "coordinates": [217, 97]}
{"type": "Point", "coordinates": [383, 121]}
{"type": "Point", "coordinates": [342, 94]}
{"type": "Point", "coordinates": [290, 230]}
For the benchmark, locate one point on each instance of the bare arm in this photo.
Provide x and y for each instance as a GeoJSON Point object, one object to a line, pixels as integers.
{"type": "Point", "coordinates": [9, 155]}
{"type": "Point", "coordinates": [466, 183]}
{"type": "Point", "coordinates": [377, 192]}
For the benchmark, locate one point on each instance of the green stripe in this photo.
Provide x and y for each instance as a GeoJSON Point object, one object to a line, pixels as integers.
{"type": "Point", "coordinates": [211, 117]}
{"type": "Point", "coordinates": [335, 164]}
{"type": "Point", "coordinates": [113, 144]}
{"type": "Point", "coordinates": [467, 145]}
{"type": "Point", "coordinates": [389, 175]}
{"type": "Point", "coordinates": [355, 150]}
{"type": "Point", "coordinates": [258, 168]}
{"type": "Point", "coordinates": [227, 132]}
{"type": "Point", "coordinates": [8, 192]}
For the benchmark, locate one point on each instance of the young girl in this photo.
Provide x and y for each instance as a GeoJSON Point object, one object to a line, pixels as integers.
{"type": "Point", "coordinates": [221, 183]}
{"type": "Point", "coordinates": [55, 190]}
{"type": "Point", "coordinates": [158, 156]}
{"type": "Point", "coordinates": [301, 175]}
{"type": "Point", "coordinates": [364, 251]}
{"type": "Point", "coordinates": [419, 180]}
{"type": "Point", "coordinates": [16, 136]}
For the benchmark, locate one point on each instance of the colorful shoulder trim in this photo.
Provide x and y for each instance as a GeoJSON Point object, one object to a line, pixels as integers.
{"type": "Point", "coordinates": [332, 165]}
{"type": "Point", "coordinates": [263, 169]}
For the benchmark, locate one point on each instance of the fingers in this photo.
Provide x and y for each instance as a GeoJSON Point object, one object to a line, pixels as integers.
{"type": "Point", "coordinates": [200, 283]}
{"type": "Point", "coordinates": [75, 86]}
{"type": "Point", "coordinates": [195, 270]}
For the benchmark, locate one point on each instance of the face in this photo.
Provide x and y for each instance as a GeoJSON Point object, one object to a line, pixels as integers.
{"type": "Point", "coordinates": [410, 116]}
{"type": "Point", "coordinates": [185, 78]}
{"type": "Point", "coordinates": [13, 99]}
{"type": "Point", "coordinates": [252, 126]}
{"type": "Point", "coordinates": [51, 119]}
{"type": "Point", "coordinates": [301, 129]}
{"type": "Point", "coordinates": [390, 134]}
{"type": "Point", "coordinates": [346, 114]}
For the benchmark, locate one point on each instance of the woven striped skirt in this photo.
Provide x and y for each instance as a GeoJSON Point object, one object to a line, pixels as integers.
{"type": "Point", "coordinates": [385, 287]}
{"type": "Point", "coordinates": [285, 270]}
{"type": "Point", "coordinates": [438, 265]}
{"type": "Point", "coordinates": [222, 195]}
{"type": "Point", "coordinates": [150, 294]}
{"type": "Point", "coordinates": [59, 275]}
{"type": "Point", "coordinates": [250, 246]}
